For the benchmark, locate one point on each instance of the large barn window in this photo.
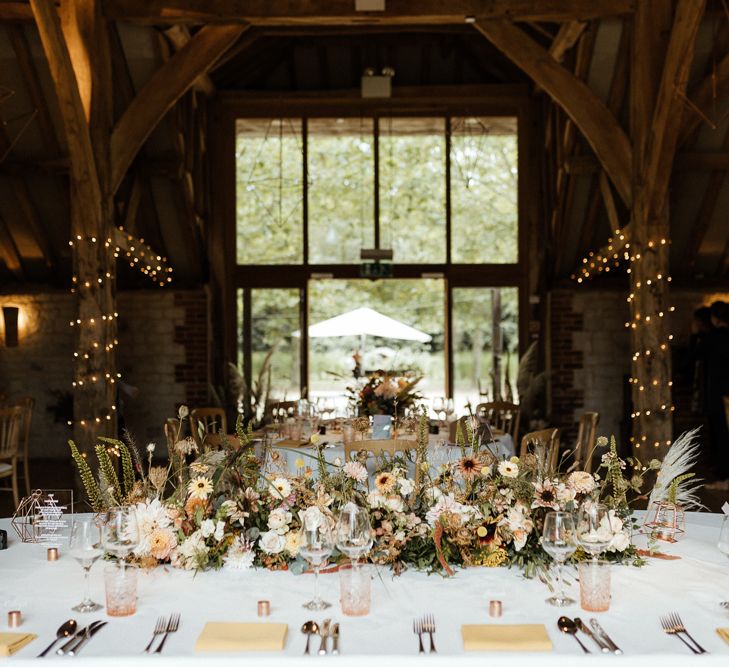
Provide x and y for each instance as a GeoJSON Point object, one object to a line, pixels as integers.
{"type": "Point", "coordinates": [441, 192]}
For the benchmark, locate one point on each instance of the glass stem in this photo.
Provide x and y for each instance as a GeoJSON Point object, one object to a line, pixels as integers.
{"type": "Point", "coordinates": [87, 584]}
{"type": "Point", "coordinates": [316, 583]}
{"type": "Point", "coordinates": [560, 586]}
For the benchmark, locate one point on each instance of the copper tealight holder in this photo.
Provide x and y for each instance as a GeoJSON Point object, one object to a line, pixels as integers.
{"type": "Point", "coordinates": [264, 608]}
{"type": "Point", "coordinates": [15, 618]}
{"type": "Point", "coordinates": [665, 521]}
{"type": "Point", "coordinates": [52, 553]}
{"type": "Point", "coordinates": [495, 608]}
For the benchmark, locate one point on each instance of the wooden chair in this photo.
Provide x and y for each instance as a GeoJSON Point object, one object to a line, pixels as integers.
{"type": "Point", "coordinates": [501, 416]}
{"type": "Point", "coordinates": [546, 439]}
{"type": "Point", "coordinates": [212, 420]}
{"type": "Point", "coordinates": [27, 403]}
{"type": "Point", "coordinates": [219, 441]}
{"type": "Point", "coordinates": [586, 439]}
{"type": "Point", "coordinates": [382, 447]}
{"type": "Point", "coordinates": [11, 425]}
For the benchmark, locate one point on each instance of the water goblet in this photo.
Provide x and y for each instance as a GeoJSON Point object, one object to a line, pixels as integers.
{"type": "Point", "coordinates": [353, 532]}
{"type": "Point", "coordinates": [558, 541]}
{"type": "Point", "coordinates": [120, 532]}
{"type": "Point", "coordinates": [317, 544]}
{"type": "Point", "coordinates": [85, 548]}
{"type": "Point", "coordinates": [593, 529]}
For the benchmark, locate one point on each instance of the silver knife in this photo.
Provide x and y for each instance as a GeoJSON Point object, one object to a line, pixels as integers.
{"type": "Point", "coordinates": [77, 638]}
{"type": "Point", "coordinates": [335, 639]}
{"type": "Point", "coordinates": [600, 643]}
{"type": "Point", "coordinates": [605, 637]}
{"type": "Point", "coordinates": [324, 633]}
{"type": "Point", "coordinates": [75, 650]}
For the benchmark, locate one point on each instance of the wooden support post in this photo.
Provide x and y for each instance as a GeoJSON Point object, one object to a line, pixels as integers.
{"type": "Point", "coordinates": [77, 51]}
{"type": "Point", "coordinates": [656, 90]}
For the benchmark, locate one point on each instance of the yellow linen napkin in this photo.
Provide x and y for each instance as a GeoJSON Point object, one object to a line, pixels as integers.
{"type": "Point", "coordinates": [242, 637]}
{"type": "Point", "coordinates": [10, 642]}
{"type": "Point", "coordinates": [723, 633]}
{"type": "Point", "coordinates": [505, 638]}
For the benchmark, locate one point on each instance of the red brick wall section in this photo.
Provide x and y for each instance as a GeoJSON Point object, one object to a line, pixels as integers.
{"type": "Point", "coordinates": [566, 360]}
{"type": "Point", "coordinates": [192, 334]}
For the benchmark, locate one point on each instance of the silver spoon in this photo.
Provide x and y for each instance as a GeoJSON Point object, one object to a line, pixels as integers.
{"type": "Point", "coordinates": [309, 628]}
{"type": "Point", "coordinates": [567, 625]}
{"type": "Point", "coordinates": [66, 630]}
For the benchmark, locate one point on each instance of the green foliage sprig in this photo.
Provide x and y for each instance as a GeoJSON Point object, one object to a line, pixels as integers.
{"type": "Point", "coordinates": [93, 493]}
{"type": "Point", "coordinates": [675, 484]}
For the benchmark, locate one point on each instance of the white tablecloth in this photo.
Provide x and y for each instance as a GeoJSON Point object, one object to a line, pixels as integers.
{"type": "Point", "coordinates": [692, 586]}
{"type": "Point", "coordinates": [439, 453]}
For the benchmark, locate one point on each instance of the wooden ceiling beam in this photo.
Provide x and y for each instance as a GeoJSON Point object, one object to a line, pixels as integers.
{"type": "Point", "coordinates": [179, 35]}
{"type": "Point", "coordinates": [702, 98]}
{"type": "Point", "coordinates": [78, 138]}
{"type": "Point", "coordinates": [666, 123]}
{"type": "Point", "coordinates": [342, 12]}
{"type": "Point", "coordinates": [32, 82]}
{"type": "Point", "coordinates": [705, 212]}
{"type": "Point", "coordinates": [161, 92]}
{"type": "Point", "coordinates": [9, 249]}
{"type": "Point", "coordinates": [566, 38]}
{"type": "Point", "coordinates": [584, 107]}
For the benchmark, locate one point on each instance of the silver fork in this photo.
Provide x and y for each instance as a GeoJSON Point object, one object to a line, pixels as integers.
{"type": "Point", "coordinates": [172, 626]}
{"type": "Point", "coordinates": [418, 630]}
{"type": "Point", "coordinates": [680, 627]}
{"type": "Point", "coordinates": [158, 630]}
{"type": "Point", "coordinates": [669, 629]}
{"type": "Point", "coordinates": [429, 627]}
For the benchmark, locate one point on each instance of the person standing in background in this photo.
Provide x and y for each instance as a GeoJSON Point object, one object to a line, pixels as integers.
{"type": "Point", "coordinates": [717, 389]}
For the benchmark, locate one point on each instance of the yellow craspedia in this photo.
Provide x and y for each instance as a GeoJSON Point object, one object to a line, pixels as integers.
{"type": "Point", "coordinates": [481, 531]}
{"type": "Point", "coordinates": [299, 463]}
{"type": "Point", "coordinates": [314, 438]}
{"type": "Point", "coordinates": [514, 459]}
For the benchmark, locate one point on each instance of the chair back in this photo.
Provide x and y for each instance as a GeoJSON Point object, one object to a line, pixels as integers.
{"type": "Point", "coordinates": [219, 441]}
{"type": "Point", "coordinates": [27, 403]}
{"type": "Point", "coordinates": [546, 440]}
{"type": "Point", "coordinates": [212, 420]}
{"type": "Point", "coordinates": [11, 423]}
{"type": "Point", "coordinates": [586, 439]}
{"type": "Point", "coordinates": [273, 410]}
{"type": "Point", "coordinates": [382, 447]}
{"type": "Point", "coordinates": [501, 416]}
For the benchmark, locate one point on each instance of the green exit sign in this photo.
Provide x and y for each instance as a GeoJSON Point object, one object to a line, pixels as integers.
{"type": "Point", "coordinates": [375, 270]}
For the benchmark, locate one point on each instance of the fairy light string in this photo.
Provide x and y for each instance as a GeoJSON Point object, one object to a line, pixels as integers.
{"type": "Point", "coordinates": [97, 333]}
{"type": "Point", "coordinates": [646, 360]}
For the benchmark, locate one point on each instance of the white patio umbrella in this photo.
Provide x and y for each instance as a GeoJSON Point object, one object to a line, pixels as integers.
{"type": "Point", "coordinates": [365, 322]}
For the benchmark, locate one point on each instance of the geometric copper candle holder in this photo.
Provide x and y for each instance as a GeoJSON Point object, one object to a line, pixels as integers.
{"type": "Point", "coordinates": [665, 521]}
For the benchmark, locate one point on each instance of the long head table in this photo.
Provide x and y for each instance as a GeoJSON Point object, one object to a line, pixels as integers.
{"type": "Point", "coordinates": [692, 586]}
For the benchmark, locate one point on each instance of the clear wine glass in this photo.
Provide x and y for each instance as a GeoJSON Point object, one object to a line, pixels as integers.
{"type": "Point", "coordinates": [449, 408]}
{"type": "Point", "coordinates": [353, 532]}
{"type": "Point", "coordinates": [317, 544]}
{"type": "Point", "coordinates": [439, 406]}
{"type": "Point", "coordinates": [558, 540]}
{"type": "Point", "coordinates": [85, 547]}
{"type": "Point", "coordinates": [593, 529]}
{"type": "Point", "coordinates": [120, 532]}
{"type": "Point", "coordinates": [723, 543]}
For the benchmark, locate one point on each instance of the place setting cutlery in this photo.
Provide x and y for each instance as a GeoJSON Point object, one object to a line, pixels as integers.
{"type": "Point", "coordinates": [425, 625]}
{"type": "Point", "coordinates": [80, 638]}
{"type": "Point", "coordinates": [66, 630]}
{"type": "Point", "coordinates": [172, 626]}
{"type": "Point", "coordinates": [159, 629]}
{"type": "Point", "coordinates": [673, 625]}
{"type": "Point", "coordinates": [570, 626]}
{"type": "Point", "coordinates": [326, 631]}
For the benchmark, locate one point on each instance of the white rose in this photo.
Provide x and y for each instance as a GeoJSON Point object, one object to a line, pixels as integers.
{"type": "Point", "coordinates": [207, 528]}
{"type": "Point", "coordinates": [293, 543]}
{"type": "Point", "coordinates": [620, 541]}
{"type": "Point", "coordinates": [272, 543]}
{"type": "Point", "coordinates": [565, 493]}
{"type": "Point", "coordinates": [406, 486]}
{"type": "Point", "coordinates": [395, 503]}
{"type": "Point", "coordinates": [312, 518]}
{"type": "Point", "coordinates": [279, 519]}
{"type": "Point", "coordinates": [219, 531]}
{"type": "Point", "coordinates": [400, 535]}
